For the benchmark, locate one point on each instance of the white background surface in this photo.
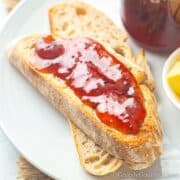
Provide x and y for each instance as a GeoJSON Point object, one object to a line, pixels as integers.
{"type": "Point", "coordinates": [49, 135]}
{"type": "Point", "coordinates": [8, 153]}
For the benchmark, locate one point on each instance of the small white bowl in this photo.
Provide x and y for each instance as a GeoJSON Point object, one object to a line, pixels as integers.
{"type": "Point", "coordinates": [168, 64]}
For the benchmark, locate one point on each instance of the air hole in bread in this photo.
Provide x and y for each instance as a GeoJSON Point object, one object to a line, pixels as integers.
{"type": "Point", "coordinates": [103, 153]}
{"type": "Point", "coordinates": [65, 26]}
{"type": "Point", "coordinates": [89, 24]}
{"type": "Point", "coordinates": [118, 50]}
{"type": "Point", "coordinates": [71, 32]}
{"type": "Point", "coordinates": [98, 150]}
{"type": "Point", "coordinates": [61, 13]}
{"type": "Point", "coordinates": [107, 160]}
{"type": "Point", "coordinates": [84, 142]}
{"type": "Point", "coordinates": [32, 46]}
{"type": "Point", "coordinates": [57, 29]}
{"type": "Point", "coordinates": [91, 159]}
{"type": "Point", "coordinates": [80, 11]}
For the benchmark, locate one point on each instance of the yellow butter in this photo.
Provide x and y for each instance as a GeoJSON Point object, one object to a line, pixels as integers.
{"type": "Point", "coordinates": [173, 76]}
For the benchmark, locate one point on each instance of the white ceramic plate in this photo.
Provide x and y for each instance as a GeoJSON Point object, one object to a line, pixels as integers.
{"type": "Point", "coordinates": [37, 130]}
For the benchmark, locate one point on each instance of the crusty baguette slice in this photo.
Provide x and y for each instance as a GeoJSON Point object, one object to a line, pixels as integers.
{"type": "Point", "coordinates": [71, 19]}
{"type": "Point", "coordinates": [137, 151]}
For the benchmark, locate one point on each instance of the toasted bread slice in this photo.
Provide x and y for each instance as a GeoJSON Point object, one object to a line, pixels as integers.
{"type": "Point", "coordinates": [137, 151]}
{"type": "Point", "coordinates": [73, 19]}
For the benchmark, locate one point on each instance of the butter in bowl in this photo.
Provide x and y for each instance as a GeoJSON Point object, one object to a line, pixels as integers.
{"type": "Point", "coordinates": [171, 77]}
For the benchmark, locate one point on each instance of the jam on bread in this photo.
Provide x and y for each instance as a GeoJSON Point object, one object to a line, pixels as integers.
{"type": "Point", "coordinates": [99, 79]}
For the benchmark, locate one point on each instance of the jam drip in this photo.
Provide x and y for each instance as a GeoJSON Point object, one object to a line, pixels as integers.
{"type": "Point", "coordinates": [96, 77]}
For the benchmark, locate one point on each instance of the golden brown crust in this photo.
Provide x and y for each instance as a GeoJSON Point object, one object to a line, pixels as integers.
{"type": "Point", "coordinates": [137, 151]}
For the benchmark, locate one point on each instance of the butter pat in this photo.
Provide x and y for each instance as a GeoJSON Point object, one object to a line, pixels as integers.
{"type": "Point", "coordinates": [173, 76]}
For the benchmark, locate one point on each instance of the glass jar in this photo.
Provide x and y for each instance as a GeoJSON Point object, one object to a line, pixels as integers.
{"type": "Point", "coordinates": [153, 23]}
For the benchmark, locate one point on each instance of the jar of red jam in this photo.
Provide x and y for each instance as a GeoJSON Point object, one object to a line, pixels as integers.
{"type": "Point", "coordinates": [153, 23]}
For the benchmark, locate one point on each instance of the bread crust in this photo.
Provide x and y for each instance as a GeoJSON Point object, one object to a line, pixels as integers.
{"type": "Point", "coordinates": [137, 151]}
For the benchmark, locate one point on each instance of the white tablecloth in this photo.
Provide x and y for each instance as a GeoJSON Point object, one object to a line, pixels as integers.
{"type": "Point", "coordinates": [8, 154]}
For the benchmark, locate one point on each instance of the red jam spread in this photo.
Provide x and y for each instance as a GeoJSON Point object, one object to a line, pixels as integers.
{"type": "Point", "coordinates": [96, 77]}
